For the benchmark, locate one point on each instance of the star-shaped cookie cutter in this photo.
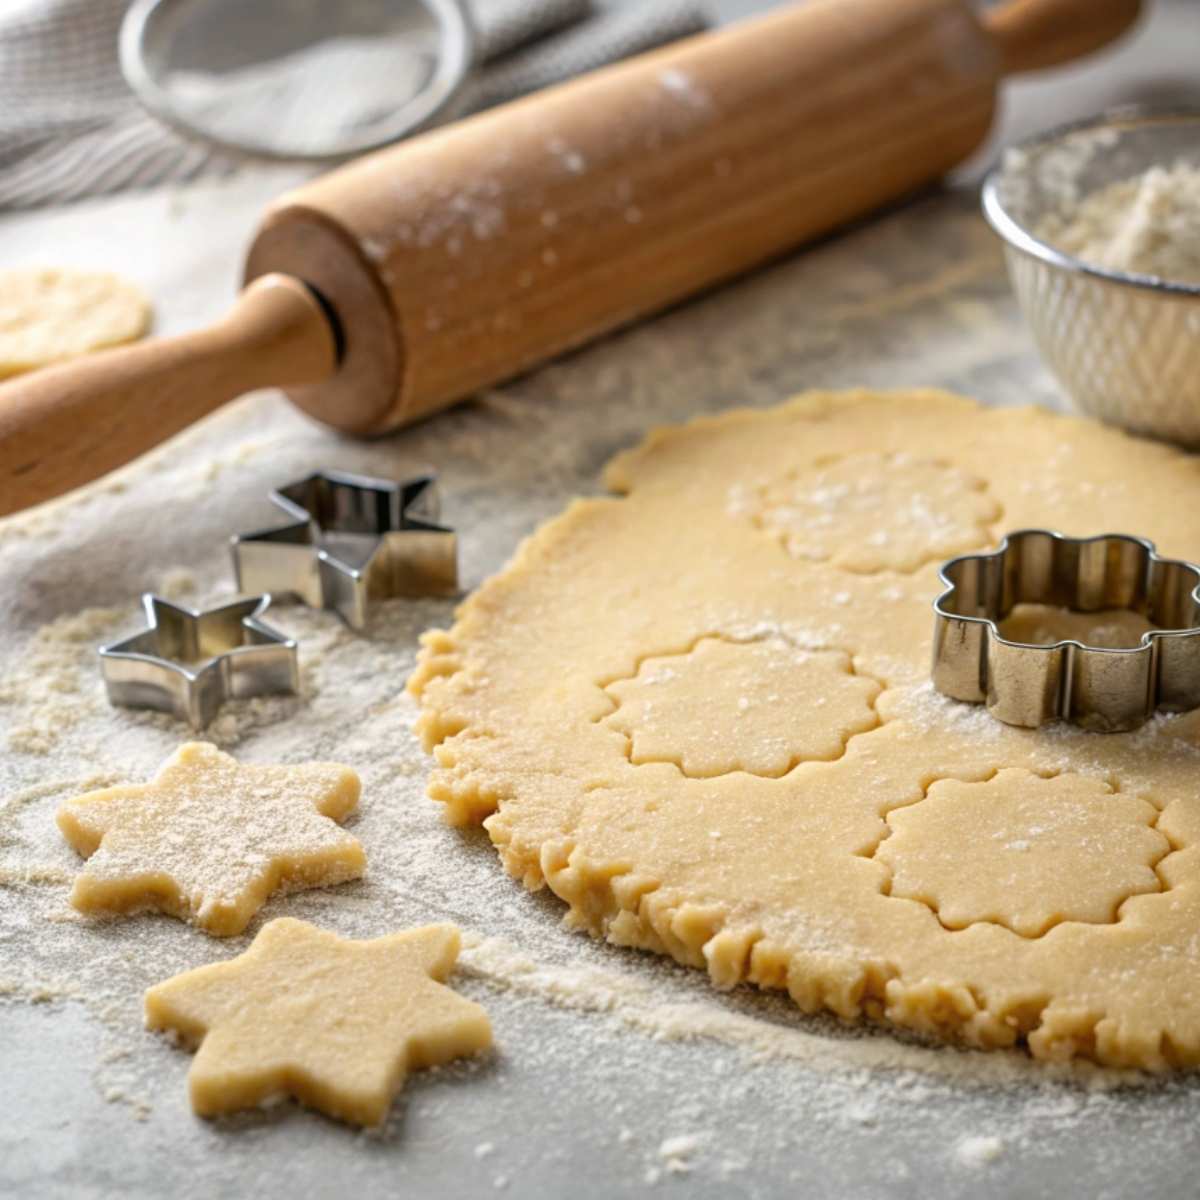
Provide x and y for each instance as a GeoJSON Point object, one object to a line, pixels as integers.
{"type": "Point", "coordinates": [352, 540]}
{"type": "Point", "coordinates": [190, 661]}
{"type": "Point", "coordinates": [1102, 688]}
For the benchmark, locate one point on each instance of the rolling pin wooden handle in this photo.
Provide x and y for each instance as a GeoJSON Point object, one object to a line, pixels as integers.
{"type": "Point", "coordinates": [1032, 34]}
{"type": "Point", "coordinates": [64, 426]}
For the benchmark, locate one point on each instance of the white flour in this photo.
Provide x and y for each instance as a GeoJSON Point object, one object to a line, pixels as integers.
{"type": "Point", "coordinates": [1147, 225]}
{"type": "Point", "coordinates": [979, 1150]}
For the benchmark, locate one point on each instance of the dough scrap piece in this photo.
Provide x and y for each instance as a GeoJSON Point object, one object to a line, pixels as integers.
{"type": "Point", "coordinates": [334, 1023]}
{"type": "Point", "coordinates": [48, 315]}
{"type": "Point", "coordinates": [774, 880]}
{"type": "Point", "coordinates": [210, 839]}
{"type": "Point", "coordinates": [1023, 851]}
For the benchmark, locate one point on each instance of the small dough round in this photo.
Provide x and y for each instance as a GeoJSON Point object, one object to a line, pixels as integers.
{"type": "Point", "coordinates": [49, 314]}
{"type": "Point", "coordinates": [720, 745]}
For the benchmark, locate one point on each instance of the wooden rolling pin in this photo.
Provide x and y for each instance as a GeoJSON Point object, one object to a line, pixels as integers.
{"type": "Point", "coordinates": [411, 277]}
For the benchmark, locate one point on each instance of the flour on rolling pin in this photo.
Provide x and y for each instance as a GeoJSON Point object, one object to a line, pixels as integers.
{"type": "Point", "coordinates": [481, 208]}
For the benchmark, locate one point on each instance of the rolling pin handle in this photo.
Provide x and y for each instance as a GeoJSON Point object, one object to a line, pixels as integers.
{"type": "Point", "coordinates": [1032, 34]}
{"type": "Point", "coordinates": [66, 425]}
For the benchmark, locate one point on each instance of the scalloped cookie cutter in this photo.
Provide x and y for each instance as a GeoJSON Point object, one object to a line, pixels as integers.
{"type": "Point", "coordinates": [1101, 688]}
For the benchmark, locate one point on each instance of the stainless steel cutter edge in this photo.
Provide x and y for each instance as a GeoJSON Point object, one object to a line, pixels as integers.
{"type": "Point", "coordinates": [1101, 688]}
{"type": "Point", "coordinates": [137, 675]}
{"type": "Point", "coordinates": [413, 554]}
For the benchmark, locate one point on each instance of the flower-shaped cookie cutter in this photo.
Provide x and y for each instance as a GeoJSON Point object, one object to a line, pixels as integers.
{"type": "Point", "coordinates": [1101, 688]}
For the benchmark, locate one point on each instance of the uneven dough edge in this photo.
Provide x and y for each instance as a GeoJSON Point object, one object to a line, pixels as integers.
{"type": "Point", "coordinates": [606, 900]}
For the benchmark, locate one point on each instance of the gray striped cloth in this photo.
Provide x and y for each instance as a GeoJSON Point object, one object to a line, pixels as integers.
{"type": "Point", "coordinates": [70, 127]}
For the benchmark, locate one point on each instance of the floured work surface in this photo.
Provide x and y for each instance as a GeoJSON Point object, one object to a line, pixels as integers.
{"type": "Point", "coordinates": [702, 714]}
{"type": "Point", "coordinates": [590, 1088]}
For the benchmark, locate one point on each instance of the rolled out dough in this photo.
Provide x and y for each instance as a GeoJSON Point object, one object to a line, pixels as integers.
{"type": "Point", "coordinates": [48, 315]}
{"type": "Point", "coordinates": [701, 714]}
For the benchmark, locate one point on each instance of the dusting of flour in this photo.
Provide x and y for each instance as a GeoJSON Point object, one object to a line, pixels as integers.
{"type": "Point", "coordinates": [1146, 225]}
{"type": "Point", "coordinates": [605, 1057]}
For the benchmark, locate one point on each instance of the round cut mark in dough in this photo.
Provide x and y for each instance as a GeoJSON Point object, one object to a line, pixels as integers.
{"type": "Point", "coordinates": [760, 706]}
{"type": "Point", "coordinates": [49, 315]}
{"type": "Point", "coordinates": [878, 512]}
{"type": "Point", "coordinates": [1023, 851]}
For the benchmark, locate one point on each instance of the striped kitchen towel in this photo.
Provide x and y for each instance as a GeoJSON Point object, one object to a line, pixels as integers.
{"type": "Point", "coordinates": [71, 128]}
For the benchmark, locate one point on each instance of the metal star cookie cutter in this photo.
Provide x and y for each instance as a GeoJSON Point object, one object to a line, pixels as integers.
{"type": "Point", "coordinates": [1101, 688]}
{"type": "Point", "coordinates": [189, 661]}
{"type": "Point", "coordinates": [352, 540]}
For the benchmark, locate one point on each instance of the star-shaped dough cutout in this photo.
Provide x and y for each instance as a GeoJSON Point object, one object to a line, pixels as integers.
{"type": "Point", "coordinates": [334, 1023]}
{"type": "Point", "coordinates": [209, 839]}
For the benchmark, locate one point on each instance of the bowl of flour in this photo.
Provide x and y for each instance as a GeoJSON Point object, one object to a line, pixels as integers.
{"type": "Point", "coordinates": [1101, 227]}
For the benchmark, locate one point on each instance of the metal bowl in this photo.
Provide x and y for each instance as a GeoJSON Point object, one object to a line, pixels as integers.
{"type": "Point", "coordinates": [1126, 348]}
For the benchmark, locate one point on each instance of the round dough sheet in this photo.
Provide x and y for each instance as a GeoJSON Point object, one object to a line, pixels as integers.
{"type": "Point", "coordinates": [700, 712]}
{"type": "Point", "coordinates": [49, 315]}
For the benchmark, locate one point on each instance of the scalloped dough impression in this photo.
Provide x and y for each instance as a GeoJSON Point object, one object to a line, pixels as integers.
{"type": "Point", "coordinates": [735, 706]}
{"type": "Point", "coordinates": [870, 864]}
{"type": "Point", "coordinates": [1063, 849]}
{"type": "Point", "coordinates": [878, 512]}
